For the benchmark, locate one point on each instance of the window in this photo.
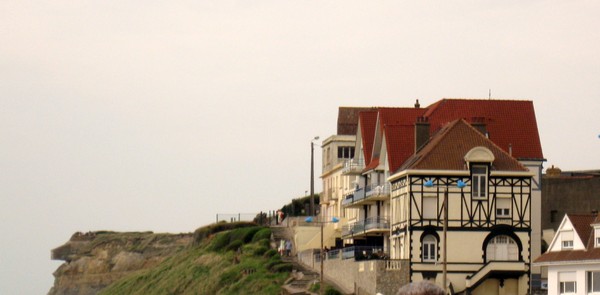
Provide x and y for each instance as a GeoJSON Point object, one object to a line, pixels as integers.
{"type": "Point", "coordinates": [566, 238]}
{"type": "Point", "coordinates": [503, 212]}
{"type": "Point", "coordinates": [502, 248]}
{"type": "Point", "coordinates": [568, 287]}
{"type": "Point", "coordinates": [597, 236]}
{"type": "Point", "coordinates": [429, 249]}
{"type": "Point", "coordinates": [567, 244]}
{"type": "Point", "coordinates": [567, 282]}
{"type": "Point", "coordinates": [345, 152]}
{"type": "Point", "coordinates": [503, 208]}
{"type": "Point", "coordinates": [479, 182]}
{"type": "Point", "coordinates": [593, 281]}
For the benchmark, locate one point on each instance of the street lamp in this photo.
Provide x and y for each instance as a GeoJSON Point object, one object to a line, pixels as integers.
{"type": "Point", "coordinates": [312, 176]}
{"type": "Point", "coordinates": [459, 184]}
{"type": "Point", "coordinates": [310, 220]}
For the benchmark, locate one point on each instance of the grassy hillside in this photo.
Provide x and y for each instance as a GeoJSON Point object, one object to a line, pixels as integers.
{"type": "Point", "coordinates": [224, 259]}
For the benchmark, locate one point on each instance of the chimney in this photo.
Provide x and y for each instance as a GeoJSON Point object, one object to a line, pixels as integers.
{"type": "Point", "coordinates": [421, 132]}
{"type": "Point", "coordinates": [417, 105]}
{"type": "Point", "coordinates": [553, 172]}
{"type": "Point", "coordinates": [479, 124]}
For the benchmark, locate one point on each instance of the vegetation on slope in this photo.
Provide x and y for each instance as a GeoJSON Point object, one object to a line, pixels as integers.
{"type": "Point", "coordinates": [224, 259]}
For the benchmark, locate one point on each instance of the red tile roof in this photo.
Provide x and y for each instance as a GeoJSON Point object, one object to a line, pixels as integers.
{"type": "Point", "coordinates": [399, 136]}
{"type": "Point", "coordinates": [583, 226]}
{"type": "Point", "coordinates": [509, 122]}
{"type": "Point", "coordinates": [367, 122]}
{"type": "Point", "coordinates": [447, 148]}
{"type": "Point", "coordinates": [372, 165]}
{"type": "Point", "coordinates": [395, 116]}
{"type": "Point", "coordinates": [581, 223]}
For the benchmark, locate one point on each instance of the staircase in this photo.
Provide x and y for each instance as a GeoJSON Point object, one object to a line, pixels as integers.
{"type": "Point", "coordinates": [301, 278]}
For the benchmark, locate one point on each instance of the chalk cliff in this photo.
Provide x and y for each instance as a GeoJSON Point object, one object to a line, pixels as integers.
{"type": "Point", "coordinates": [94, 260]}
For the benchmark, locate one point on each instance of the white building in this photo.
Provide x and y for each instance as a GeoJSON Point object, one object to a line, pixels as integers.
{"type": "Point", "coordinates": [573, 256]}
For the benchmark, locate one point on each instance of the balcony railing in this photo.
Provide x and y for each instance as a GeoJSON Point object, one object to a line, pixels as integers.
{"type": "Point", "coordinates": [363, 226]}
{"type": "Point", "coordinates": [363, 252]}
{"type": "Point", "coordinates": [353, 197]}
{"type": "Point", "coordinates": [371, 193]}
{"type": "Point", "coordinates": [353, 166]}
{"type": "Point", "coordinates": [376, 189]}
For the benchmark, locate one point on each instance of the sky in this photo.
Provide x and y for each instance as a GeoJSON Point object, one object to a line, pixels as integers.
{"type": "Point", "coordinates": [158, 115]}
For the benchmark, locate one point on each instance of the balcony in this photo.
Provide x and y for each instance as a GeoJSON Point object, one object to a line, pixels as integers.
{"type": "Point", "coordinates": [371, 194]}
{"type": "Point", "coordinates": [378, 192]}
{"type": "Point", "coordinates": [356, 196]}
{"type": "Point", "coordinates": [353, 167]}
{"type": "Point", "coordinates": [366, 226]}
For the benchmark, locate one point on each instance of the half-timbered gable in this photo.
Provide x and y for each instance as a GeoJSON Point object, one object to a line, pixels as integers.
{"type": "Point", "coordinates": [488, 195]}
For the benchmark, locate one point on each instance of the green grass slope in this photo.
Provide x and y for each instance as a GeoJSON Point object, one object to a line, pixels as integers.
{"type": "Point", "coordinates": [224, 259]}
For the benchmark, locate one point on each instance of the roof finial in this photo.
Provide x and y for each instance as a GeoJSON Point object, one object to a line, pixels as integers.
{"type": "Point", "coordinates": [417, 105]}
{"type": "Point", "coordinates": [490, 94]}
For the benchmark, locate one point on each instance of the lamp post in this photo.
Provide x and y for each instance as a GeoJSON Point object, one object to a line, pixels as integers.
{"type": "Point", "coordinates": [310, 220]}
{"type": "Point", "coordinates": [459, 184]}
{"type": "Point", "coordinates": [312, 176]}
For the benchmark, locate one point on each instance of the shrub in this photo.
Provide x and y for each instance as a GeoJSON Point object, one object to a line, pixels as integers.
{"type": "Point", "coordinates": [283, 267]}
{"type": "Point", "coordinates": [331, 291]}
{"type": "Point", "coordinates": [264, 233]}
{"type": "Point", "coordinates": [234, 245]}
{"type": "Point", "coordinates": [270, 253]}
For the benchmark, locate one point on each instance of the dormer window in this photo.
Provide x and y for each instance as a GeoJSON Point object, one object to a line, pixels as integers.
{"type": "Point", "coordinates": [479, 182]}
{"type": "Point", "coordinates": [597, 236]}
{"type": "Point", "coordinates": [566, 238]}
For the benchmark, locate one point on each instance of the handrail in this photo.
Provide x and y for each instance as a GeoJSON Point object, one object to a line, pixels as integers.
{"type": "Point", "coordinates": [353, 165]}
{"type": "Point", "coordinates": [377, 189]}
{"type": "Point", "coordinates": [363, 225]}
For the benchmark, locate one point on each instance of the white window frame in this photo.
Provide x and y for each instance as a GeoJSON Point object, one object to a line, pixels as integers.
{"type": "Point", "coordinates": [502, 212]}
{"type": "Point", "coordinates": [591, 283]}
{"type": "Point", "coordinates": [429, 249]}
{"type": "Point", "coordinates": [567, 244]}
{"type": "Point", "coordinates": [479, 182]}
{"type": "Point", "coordinates": [562, 286]}
{"type": "Point", "coordinates": [596, 236]}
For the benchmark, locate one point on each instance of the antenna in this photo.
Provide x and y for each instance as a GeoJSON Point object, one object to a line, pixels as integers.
{"type": "Point", "coordinates": [490, 94]}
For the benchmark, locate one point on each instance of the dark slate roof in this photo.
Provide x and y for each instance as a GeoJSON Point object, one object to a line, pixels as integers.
{"type": "Point", "coordinates": [447, 148]}
{"type": "Point", "coordinates": [348, 119]}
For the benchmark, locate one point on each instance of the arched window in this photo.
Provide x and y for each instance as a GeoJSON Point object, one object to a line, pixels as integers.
{"type": "Point", "coordinates": [502, 248]}
{"type": "Point", "coordinates": [429, 249]}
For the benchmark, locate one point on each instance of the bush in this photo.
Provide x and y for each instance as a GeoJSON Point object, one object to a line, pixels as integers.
{"type": "Point", "coordinates": [283, 267]}
{"type": "Point", "coordinates": [233, 246]}
{"type": "Point", "coordinates": [202, 233]}
{"type": "Point", "coordinates": [264, 233]}
{"type": "Point", "coordinates": [270, 253]}
{"type": "Point", "coordinates": [331, 291]}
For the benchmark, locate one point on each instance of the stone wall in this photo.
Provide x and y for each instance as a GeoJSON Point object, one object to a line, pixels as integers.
{"type": "Point", "coordinates": [366, 277]}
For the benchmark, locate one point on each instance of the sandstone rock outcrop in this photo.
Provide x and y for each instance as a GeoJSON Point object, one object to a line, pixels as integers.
{"type": "Point", "coordinates": [94, 260]}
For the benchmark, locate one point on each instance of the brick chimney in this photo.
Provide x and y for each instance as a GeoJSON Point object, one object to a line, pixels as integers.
{"type": "Point", "coordinates": [553, 172]}
{"type": "Point", "coordinates": [421, 132]}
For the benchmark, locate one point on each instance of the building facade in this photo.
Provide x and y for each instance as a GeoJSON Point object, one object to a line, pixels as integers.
{"type": "Point", "coordinates": [573, 256]}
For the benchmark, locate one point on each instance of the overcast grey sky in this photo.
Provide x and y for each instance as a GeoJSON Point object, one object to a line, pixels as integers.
{"type": "Point", "coordinates": [156, 115]}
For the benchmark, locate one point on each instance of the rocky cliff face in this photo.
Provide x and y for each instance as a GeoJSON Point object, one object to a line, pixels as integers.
{"type": "Point", "coordinates": [94, 260]}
